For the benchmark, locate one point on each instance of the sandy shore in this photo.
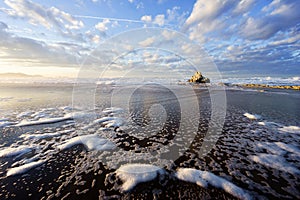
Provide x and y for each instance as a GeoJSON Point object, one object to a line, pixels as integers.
{"type": "Point", "coordinates": [45, 160]}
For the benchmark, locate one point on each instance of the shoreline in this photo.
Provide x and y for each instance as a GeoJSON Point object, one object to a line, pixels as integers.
{"type": "Point", "coordinates": [71, 84]}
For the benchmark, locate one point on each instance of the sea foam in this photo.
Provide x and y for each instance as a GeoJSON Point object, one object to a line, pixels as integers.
{"type": "Point", "coordinates": [203, 178]}
{"type": "Point", "coordinates": [251, 116]}
{"type": "Point", "coordinates": [133, 174]}
{"type": "Point", "coordinates": [69, 116]}
{"type": "Point", "coordinates": [39, 136]}
{"type": "Point", "coordinates": [24, 168]}
{"type": "Point", "coordinates": [15, 151]}
{"type": "Point", "coordinates": [91, 142]}
{"type": "Point", "coordinates": [274, 161]}
{"type": "Point", "coordinates": [290, 129]}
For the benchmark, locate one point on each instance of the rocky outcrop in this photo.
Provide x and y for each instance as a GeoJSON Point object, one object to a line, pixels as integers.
{"type": "Point", "coordinates": [198, 78]}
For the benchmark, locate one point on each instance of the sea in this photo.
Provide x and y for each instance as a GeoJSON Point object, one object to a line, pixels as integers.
{"type": "Point", "coordinates": [149, 139]}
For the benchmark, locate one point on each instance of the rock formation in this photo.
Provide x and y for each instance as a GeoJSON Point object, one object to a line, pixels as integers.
{"type": "Point", "coordinates": [198, 78]}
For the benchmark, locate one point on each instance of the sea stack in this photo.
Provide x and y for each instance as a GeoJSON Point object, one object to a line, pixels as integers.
{"type": "Point", "coordinates": [198, 78]}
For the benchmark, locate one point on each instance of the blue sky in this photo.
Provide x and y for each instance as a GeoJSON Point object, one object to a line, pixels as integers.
{"type": "Point", "coordinates": [243, 37]}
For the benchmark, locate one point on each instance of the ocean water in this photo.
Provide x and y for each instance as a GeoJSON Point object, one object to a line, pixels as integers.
{"type": "Point", "coordinates": [147, 141]}
{"type": "Point", "coordinates": [276, 80]}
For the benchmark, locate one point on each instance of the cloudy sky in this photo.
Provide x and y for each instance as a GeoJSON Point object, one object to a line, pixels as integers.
{"type": "Point", "coordinates": [242, 37]}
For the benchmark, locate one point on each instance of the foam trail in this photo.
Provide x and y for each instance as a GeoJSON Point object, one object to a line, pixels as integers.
{"type": "Point", "coordinates": [251, 116]}
{"type": "Point", "coordinates": [24, 168]}
{"type": "Point", "coordinates": [42, 121]}
{"type": "Point", "coordinates": [133, 174]}
{"type": "Point", "coordinates": [69, 116]}
{"type": "Point", "coordinates": [290, 129]}
{"type": "Point", "coordinates": [6, 123]}
{"type": "Point", "coordinates": [275, 162]}
{"type": "Point", "coordinates": [202, 178]}
{"type": "Point", "coordinates": [39, 136]}
{"type": "Point", "coordinates": [107, 121]}
{"type": "Point", "coordinates": [91, 142]}
{"type": "Point", "coordinates": [112, 110]}
{"type": "Point", "coordinates": [15, 151]}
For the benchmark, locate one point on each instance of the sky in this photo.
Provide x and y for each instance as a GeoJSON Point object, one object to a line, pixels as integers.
{"type": "Point", "coordinates": [59, 37]}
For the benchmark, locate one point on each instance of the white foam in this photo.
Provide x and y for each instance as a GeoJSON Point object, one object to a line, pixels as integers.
{"type": "Point", "coordinates": [39, 136]}
{"type": "Point", "coordinates": [271, 148]}
{"type": "Point", "coordinates": [24, 114]}
{"type": "Point", "coordinates": [66, 108]}
{"type": "Point", "coordinates": [202, 178]}
{"type": "Point", "coordinates": [112, 110]}
{"type": "Point", "coordinates": [290, 129]}
{"type": "Point", "coordinates": [251, 116]}
{"type": "Point", "coordinates": [274, 161]}
{"type": "Point", "coordinates": [108, 82]}
{"type": "Point", "coordinates": [15, 151]}
{"type": "Point", "coordinates": [133, 174]}
{"type": "Point", "coordinates": [288, 147]}
{"type": "Point", "coordinates": [38, 115]}
{"type": "Point", "coordinates": [5, 123]}
{"type": "Point", "coordinates": [279, 148]}
{"type": "Point", "coordinates": [24, 168]}
{"type": "Point", "coordinates": [4, 119]}
{"type": "Point", "coordinates": [69, 116]}
{"type": "Point", "coordinates": [42, 121]}
{"type": "Point", "coordinates": [265, 123]}
{"type": "Point", "coordinates": [91, 142]}
{"type": "Point", "coordinates": [107, 121]}
{"type": "Point", "coordinates": [113, 123]}
{"type": "Point", "coordinates": [78, 115]}
{"type": "Point", "coordinates": [296, 78]}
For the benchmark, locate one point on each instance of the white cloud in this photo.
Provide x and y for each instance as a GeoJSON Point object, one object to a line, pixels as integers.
{"type": "Point", "coordinates": [146, 18]}
{"type": "Point", "coordinates": [102, 26]}
{"type": "Point", "coordinates": [148, 42]}
{"type": "Point", "coordinates": [208, 11]}
{"type": "Point", "coordinates": [159, 20]}
{"type": "Point", "coordinates": [207, 17]}
{"type": "Point", "coordinates": [130, 1]}
{"type": "Point", "coordinates": [48, 17]}
{"type": "Point", "coordinates": [115, 24]}
{"type": "Point", "coordinates": [211, 20]}
{"type": "Point", "coordinates": [174, 16]}
{"type": "Point", "coordinates": [66, 19]}
{"type": "Point", "coordinates": [173, 13]}
{"type": "Point", "coordinates": [289, 40]}
{"type": "Point", "coordinates": [243, 6]}
{"type": "Point", "coordinates": [198, 32]}
{"type": "Point", "coordinates": [89, 35]}
{"type": "Point", "coordinates": [278, 15]}
{"type": "Point", "coordinates": [96, 39]}
{"type": "Point", "coordinates": [169, 35]}
{"type": "Point", "coordinates": [26, 9]}
{"type": "Point", "coordinates": [29, 52]}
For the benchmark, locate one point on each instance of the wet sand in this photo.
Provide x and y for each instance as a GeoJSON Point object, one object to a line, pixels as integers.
{"type": "Point", "coordinates": [246, 153]}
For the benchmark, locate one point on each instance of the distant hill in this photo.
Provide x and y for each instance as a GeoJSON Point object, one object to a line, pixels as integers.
{"type": "Point", "coordinates": [18, 75]}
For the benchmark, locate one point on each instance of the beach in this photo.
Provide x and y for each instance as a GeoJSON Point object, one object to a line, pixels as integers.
{"type": "Point", "coordinates": [144, 142]}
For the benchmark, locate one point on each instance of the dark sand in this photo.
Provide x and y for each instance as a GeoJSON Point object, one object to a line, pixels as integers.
{"type": "Point", "coordinates": [79, 174]}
